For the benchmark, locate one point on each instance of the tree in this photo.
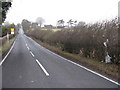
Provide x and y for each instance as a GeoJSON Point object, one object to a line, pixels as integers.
{"type": "Point", "coordinates": [81, 23]}
{"type": "Point", "coordinates": [70, 22]}
{"type": "Point", "coordinates": [5, 8]}
{"type": "Point", "coordinates": [75, 22]}
{"type": "Point", "coordinates": [6, 23]}
{"type": "Point", "coordinates": [6, 29]}
{"type": "Point", "coordinates": [60, 23]}
{"type": "Point", "coordinates": [40, 21]}
{"type": "Point", "coordinates": [26, 25]}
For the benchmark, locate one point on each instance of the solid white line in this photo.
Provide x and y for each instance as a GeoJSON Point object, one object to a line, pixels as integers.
{"type": "Point", "coordinates": [47, 74]}
{"type": "Point", "coordinates": [7, 53]}
{"type": "Point", "coordinates": [95, 73]}
{"type": "Point", "coordinates": [84, 67]}
{"type": "Point", "coordinates": [32, 54]}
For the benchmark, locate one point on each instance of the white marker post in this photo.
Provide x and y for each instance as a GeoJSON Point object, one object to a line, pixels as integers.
{"type": "Point", "coordinates": [107, 57]}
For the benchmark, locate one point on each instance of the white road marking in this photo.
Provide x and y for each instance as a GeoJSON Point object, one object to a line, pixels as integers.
{"type": "Point", "coordinates": [82, 67]}
{"type": "Point", "coordinates": [44, 70]}
{"type": "Point", "coordinates": [28, 48]}
{"type": "Point", "coordinates": [47, 74]}
{"type": "Point", "coordinates": [7, 53]}
{"type": "Point", "coordinates": [95, 73]}
{"type": "Point", "coordinates": [26, 44]}
{"type": "Point", "coordinates": [86, 68]}
{"type": "Point", "coordinates": [32, 54]}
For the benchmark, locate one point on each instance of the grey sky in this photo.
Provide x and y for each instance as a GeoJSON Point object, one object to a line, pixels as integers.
{"type": "Point", "coordinates": [89, 11]}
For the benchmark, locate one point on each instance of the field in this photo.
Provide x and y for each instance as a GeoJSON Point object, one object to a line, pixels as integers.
{"type": "Point", "coordinates": [55, 29]}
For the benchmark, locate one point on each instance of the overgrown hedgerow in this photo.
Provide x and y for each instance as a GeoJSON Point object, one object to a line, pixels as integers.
{"type": "Point", "coordinates": [86, 40]}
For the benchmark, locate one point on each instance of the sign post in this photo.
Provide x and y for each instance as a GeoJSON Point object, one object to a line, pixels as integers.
{"type": "Point", "coordinates": [12, 31]}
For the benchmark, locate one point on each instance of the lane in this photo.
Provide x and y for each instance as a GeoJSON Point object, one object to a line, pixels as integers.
{"type": "Point", "coordinates": [29, 65]}
{"type": "Point", "coordinates": [20, 69]}
{"type": "Point", "coordinates": [65, 73]}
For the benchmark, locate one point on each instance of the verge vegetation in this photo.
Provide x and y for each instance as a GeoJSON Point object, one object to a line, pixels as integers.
{"type": "Point", "coordinates": [109, 69]}
{"type": "Point", "coordinates": [5, 48]}
{"type": "Point", "coordinates": [87, 43]}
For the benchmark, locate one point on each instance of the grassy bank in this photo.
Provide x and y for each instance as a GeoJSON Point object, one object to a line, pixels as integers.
{"type": "Point", "coordinates": [5, 48]}
{"type": "Point", "coordinates": [101, 67]}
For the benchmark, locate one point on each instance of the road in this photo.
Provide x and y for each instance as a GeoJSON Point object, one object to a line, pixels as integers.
{"type": "Point", "coordinates": [30, 65]}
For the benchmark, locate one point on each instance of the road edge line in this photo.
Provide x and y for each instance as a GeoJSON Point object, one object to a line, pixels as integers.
{"type": "Point", "coordinates": [7, 53]}
{"type": "Point", "coordinates": [100, 75]}
{"type": "Point", "coordinates": [86, 69]}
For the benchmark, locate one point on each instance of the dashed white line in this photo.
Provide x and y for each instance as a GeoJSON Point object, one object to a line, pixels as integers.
{"type": "Point", "coordinates": [7, 53]}
{"type": "Point", "coordinates": [28, 48]}
{"type": "Point", "coordinates": [83, 67]}
{"type": "Point", "coordinates": [32, 54]}
{"type": "Point", "coordinates": [26, 44]}
{"type": "Point", "coordinates": [46, 73]}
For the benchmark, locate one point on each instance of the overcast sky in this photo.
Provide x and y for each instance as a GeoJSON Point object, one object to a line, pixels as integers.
{"type": "Point", "coordinates": [89, 11]}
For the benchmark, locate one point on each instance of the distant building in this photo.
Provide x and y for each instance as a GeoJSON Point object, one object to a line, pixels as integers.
{"type": "Point", "coordinates": [48, 26]}
{"type": "Point", "coordinates": [60, 27]}
{"type": "Point", "coordinates": [34, 25]}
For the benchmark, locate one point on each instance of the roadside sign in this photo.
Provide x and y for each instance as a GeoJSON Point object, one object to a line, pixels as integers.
{"type": "Point", "coordinates": [12, 30]}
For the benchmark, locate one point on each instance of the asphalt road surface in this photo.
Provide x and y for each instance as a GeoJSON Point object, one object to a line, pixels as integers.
{"type": "Point", "coordinates": [30, 65]}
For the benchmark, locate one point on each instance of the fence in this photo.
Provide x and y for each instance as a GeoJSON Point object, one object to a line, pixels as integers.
{"type": "Point", "coordinates": [3, 40]}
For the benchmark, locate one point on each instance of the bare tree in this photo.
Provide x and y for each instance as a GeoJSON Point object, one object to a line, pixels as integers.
{"type": "Point", "coordinates": [81, 23]}
{"type": "Point", "coordinates": [70, 22]}
{"type": "Point", "coordinates": [75, 22]}
{"type": "Point", "coordinates": [60, 23]}
{"type": "Point", "coordinates": [40, 21]}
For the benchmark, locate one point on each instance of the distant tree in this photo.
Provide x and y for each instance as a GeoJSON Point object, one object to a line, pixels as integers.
{"type": "Point", "coordinates": [6, 29]}
{"type": "Point", "coordinates": [81, 23]}
{"type": "Point", "coordinates": [40, 21]}
{"type": "Point", "coordinates": [26, 25]}
{"type": "Point", "coordinates": [75, 22]}
{"type": "Point", "coordinates": [6, 23]}
{"type": "Point", "coordinates": [70, 23]}
{"type": "Point", "coordinates": [60, 23]}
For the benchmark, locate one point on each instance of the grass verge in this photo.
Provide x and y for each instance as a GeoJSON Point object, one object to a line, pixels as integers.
{"type": "Point", "coordinates": [5, 48]}
{"type": "Point", "coordinates": [110, 70]}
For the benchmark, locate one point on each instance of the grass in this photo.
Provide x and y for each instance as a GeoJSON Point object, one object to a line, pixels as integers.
{"type": "Point", "coordinates": [52, 29]}
{"type": "Point", "coordinates": [55, 29]}
{"type": "Point", "coordinates": [101, 67]}
{"type": "Point", "coordinates": [5, 48]}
